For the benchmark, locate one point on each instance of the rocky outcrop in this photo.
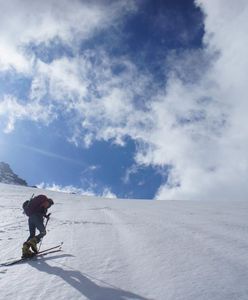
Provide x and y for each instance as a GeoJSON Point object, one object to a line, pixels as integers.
{"type": "Point", "coordinates": [8, 176]}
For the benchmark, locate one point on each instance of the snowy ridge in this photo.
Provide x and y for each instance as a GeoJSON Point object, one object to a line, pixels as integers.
{"type": "Point", "coordinates": [8, 176]}
{"type": "Point", "coordinates": [123, 249]}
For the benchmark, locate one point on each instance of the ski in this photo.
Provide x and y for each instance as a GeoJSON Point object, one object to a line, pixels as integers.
{"type": "Point", "coordinates": [41, 253]}
{"type": "Point", "coordinates": [48, 249]}
{"type": "Point", "coordinates": [48, 252]}
{"type": "Point", "coordinates": [21, 260]}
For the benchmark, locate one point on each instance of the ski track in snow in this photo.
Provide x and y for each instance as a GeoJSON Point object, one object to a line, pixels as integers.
{"type": "Point", "coordinates": [119, 250]}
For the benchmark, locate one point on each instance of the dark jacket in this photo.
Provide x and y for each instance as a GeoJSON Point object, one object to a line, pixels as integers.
{"type": "Point", "coordinates": [38, 205]}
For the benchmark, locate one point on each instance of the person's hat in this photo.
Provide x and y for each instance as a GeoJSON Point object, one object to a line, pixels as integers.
{"type": "Point", "coordinates": [50, 201]}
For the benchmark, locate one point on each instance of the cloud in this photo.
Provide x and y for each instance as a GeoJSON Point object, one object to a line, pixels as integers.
{"type": "Point", "coordinates": [11, 110]}
{"type": "Point", "coordinates": [129, 172]}
{"type": "Point", "coordinates": [36, 22]}
{"type": "Point", "coordinates": [27, 23]}
{"type": "Point", "coordinates": [209, 151]}
{"type": "Point", "coordinates": [102, 100]}
{"type": "Point", "coordinates": [105, 193]}
{"type": "Point", "coordinates": [195, 123]}
{"type": "Point", "coordinates": [89, 185]}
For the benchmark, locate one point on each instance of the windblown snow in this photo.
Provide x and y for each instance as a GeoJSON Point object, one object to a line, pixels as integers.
{"type": "Point", "coordinates": [126, 249]}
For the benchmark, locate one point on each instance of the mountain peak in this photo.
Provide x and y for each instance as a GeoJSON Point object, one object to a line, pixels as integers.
{"type": "Point", "coordinates": [8, 176]}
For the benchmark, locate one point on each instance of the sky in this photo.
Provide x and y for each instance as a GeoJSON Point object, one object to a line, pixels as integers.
{"type": "Point", "coordinates": [129, 99]}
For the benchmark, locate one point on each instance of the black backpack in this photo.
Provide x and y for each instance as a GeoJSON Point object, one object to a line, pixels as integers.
{"type": "Point", "coordinates": [26, 204]}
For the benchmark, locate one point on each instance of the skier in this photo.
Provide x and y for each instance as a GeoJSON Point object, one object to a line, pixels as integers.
{"type": "Point", "coordinates": [36, 210]}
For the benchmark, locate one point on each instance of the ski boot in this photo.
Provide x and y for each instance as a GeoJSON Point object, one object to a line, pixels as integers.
{"type": "Point", "coordinates": [26, 252]}
{"type": "Point", "coordinates": [33, 244]}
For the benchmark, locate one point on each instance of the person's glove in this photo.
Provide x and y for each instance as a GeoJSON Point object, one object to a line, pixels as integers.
{"type": "Point", "coordinates": [48, 216]}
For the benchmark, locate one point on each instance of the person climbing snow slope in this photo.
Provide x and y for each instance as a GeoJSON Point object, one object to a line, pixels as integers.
{"type": "Point", "coordinates": [36, 210]}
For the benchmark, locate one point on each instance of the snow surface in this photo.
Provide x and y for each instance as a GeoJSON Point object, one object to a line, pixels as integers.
{"type": "Point", "coordinates": [126, 249]}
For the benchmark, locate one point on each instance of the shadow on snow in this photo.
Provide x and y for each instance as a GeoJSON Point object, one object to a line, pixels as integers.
{"type": "Point", "coordinates": [84, 284]}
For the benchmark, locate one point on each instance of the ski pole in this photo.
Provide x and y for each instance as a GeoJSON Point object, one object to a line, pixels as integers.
{"type": "Point", "coordinates": [45, 229]}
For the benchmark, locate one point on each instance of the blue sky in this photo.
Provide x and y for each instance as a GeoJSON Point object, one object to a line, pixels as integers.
{"type": "Point", "coordinates": [124, 98]}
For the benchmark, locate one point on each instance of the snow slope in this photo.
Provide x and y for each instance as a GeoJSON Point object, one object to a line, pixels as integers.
{"type": "Point", "coordinates": [126, 249]}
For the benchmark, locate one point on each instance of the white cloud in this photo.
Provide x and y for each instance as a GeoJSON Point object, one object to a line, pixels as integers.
{"type": "Point", "coordinates": [34, 21]}
{"type": "Point", "coordinates": [129, 172]}
{"type": "Point", "coordinates": [101, 100]}
{"type": "Point", "coordinates": [11, 111]}
{"type": "Point", "coordinates": [106, 192]}
{"type": "Point", "coordinates": [196, 124]}
{"type": "Point", "coordinates": [210, 156]}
